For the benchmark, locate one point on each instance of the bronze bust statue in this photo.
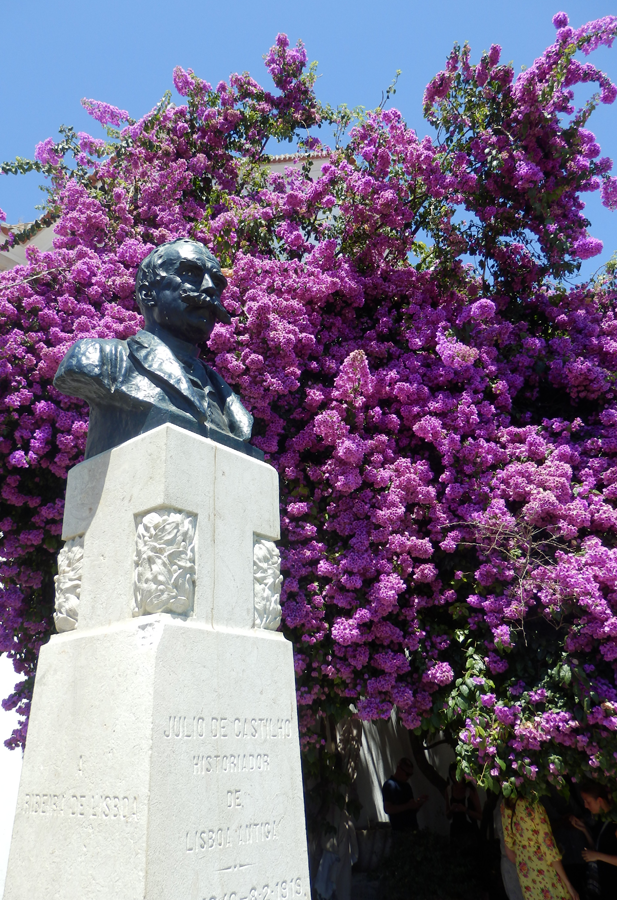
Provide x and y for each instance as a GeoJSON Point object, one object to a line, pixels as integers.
{"type": "Point", "coordinates": [156, 376]}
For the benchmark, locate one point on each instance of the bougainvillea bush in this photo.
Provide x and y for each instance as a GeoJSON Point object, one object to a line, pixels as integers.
{"type": "Point", "coordinates": [435, 389]}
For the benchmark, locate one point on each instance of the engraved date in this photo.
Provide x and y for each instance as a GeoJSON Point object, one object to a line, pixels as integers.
{"type": "Point", "coordinates": [280, 890]}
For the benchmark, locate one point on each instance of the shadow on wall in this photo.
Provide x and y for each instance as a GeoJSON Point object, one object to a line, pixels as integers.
{"type": "Point", "coordinates": [384, 742]}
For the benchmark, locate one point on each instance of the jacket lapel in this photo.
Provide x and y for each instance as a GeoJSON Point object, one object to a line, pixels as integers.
{"type": "Point", "coordinates": [239, 420]}
{"type": "Point", "coordinates": [157, 358]}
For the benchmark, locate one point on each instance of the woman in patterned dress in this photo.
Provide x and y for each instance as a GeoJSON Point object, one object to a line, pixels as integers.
{"type": "Point", "coordinates": [530, 844]}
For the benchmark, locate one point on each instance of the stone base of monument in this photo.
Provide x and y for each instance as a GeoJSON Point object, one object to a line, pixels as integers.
{"type": "Point", "coordinates": [162, 759]}
{"type": "Point", "coordinates": [162, 762]}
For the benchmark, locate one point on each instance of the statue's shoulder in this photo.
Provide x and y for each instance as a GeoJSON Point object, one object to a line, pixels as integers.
{"type": "Point", "coordinates": [103, 359]}
{"type": "Point", "coordinates": [100, 346]}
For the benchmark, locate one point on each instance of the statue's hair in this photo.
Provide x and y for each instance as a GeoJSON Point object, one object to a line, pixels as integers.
{"type": "Point", "coordinates": [149, 270]}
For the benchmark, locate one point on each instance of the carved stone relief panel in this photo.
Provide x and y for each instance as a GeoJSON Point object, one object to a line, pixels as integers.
{"type": "Point", "coordinates": [267, 581]}
{"type": "Point", "coordinates": [68, 584]}
{"type": "Point", "coordinates": [164, 580]}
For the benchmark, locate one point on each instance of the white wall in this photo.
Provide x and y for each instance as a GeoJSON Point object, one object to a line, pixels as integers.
{"type": "Point", "coordinates": [278, 164]}
{"type": "Point", "coordinates": [384, 742]}
{"type": "Point", "coordinates": [16, 256]}
{"type": "Point", "coordinates": [10, 768]}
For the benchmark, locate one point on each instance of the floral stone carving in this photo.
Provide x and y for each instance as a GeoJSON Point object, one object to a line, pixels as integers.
{"type": "Point", "coordinates": [267, 581]}
{"type": "Point", "coordinates": [68, 584]}
{"type": "Point", "coordinates": [165, 563]}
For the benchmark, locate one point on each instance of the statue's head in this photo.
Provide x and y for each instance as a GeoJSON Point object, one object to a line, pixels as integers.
{"type": "Point", "coordinates": [179, 287]}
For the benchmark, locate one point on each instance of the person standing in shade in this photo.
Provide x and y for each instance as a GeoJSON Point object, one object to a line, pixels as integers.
{"type": "Point", "coordinates": [529, 843]}
{"type": "Point", "coordinates": [398, 798]}
{"type": "Point", "coordinates": [463, 810]}
{"type": "Point", "coordinates": [601, 856]}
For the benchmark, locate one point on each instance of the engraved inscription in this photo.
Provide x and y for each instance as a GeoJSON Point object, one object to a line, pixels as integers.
{"type": "Point", "coordinates": [43, 804]}
{"type": "Point", "coordinates": [234, 799]}
{"type": "Point", "coordinates": [221, 727]}
{"type": "Point", "coordinates": [208, 839]}
{"type": "Point", "coordinates": [164, 563]}
{"type": "Point", "coordinates": [68, 584]}
{"type": "Point", "coordinates": [258, 832]}
{"type": "Point", "coordinates": [92, 806]}
{"type": "Point", "coordinates": [267, 581]}
{"type": "Point", "coordinates": [232, 762]}
{"type": "Point", "coordinates": [285, 889]}
{"type": "Point", "coordinates": [201, 840]}
{"type": "Point", "coordinates": [237, 867]}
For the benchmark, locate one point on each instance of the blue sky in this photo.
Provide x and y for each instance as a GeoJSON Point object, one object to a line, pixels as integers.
{"type": "Point", "coordinates": [123, 52]}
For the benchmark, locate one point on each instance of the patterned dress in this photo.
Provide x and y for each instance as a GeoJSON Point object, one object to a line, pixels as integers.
{"type": "Point", "coordinates": [529, 834]}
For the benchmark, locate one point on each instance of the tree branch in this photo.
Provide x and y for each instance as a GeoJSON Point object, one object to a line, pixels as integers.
{"type": "Point", "coordinates": [429, 771]}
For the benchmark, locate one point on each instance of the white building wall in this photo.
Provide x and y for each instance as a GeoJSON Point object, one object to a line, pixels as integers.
{"type": "Point", "coordinates": [16, 256]}
{"type": "Point", "coordinates": [384, 742]}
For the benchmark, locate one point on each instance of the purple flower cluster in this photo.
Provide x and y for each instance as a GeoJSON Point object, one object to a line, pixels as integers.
{"type": "Point", "coordinates": [45, 153]}
{"type": "Point", "coordinates": [609, 193]}
{"type": "Point", "coordinates": [532, 169]}
{"type": "Point", "coordinates": [444, 431]}
{"type": "Point", "coordinates": [104, 113]}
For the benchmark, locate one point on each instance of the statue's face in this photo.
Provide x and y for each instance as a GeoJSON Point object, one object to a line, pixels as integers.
{"type": "Point", "coordinates": [186, 298]}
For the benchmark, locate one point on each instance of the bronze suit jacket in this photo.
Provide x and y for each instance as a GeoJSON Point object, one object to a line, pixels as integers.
{"type": "Point", "coordinates": [136, 385]}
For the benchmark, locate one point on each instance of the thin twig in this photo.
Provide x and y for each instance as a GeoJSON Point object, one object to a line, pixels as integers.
{"type": "Point", "coordinates": [6, 287]}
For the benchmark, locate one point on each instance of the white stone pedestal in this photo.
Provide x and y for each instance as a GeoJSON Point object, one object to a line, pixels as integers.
{"type": "Point", "coordinates": [162, 760]}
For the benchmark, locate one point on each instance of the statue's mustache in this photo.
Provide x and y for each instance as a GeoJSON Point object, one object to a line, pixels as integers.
{"type": "Point", "coordinates": [199, 300]}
